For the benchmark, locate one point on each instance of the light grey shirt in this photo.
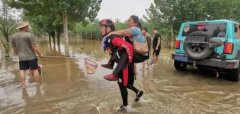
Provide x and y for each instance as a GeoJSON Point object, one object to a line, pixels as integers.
{"type": "Point", "coordinates": [23, 42]}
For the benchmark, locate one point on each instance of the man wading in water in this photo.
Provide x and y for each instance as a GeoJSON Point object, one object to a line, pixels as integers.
{"type": "Point", "coordinates": [156, 45]}
{"type": "Point", "coordinates": [25, 47]}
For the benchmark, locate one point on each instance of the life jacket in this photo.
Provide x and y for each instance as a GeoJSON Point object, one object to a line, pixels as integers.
{"type": "Point", "coordinates": [137, 58]}
{"type": "Point", "coordinates": [114, 48]}
{"type": "Point", "coordinates": [119, 45]}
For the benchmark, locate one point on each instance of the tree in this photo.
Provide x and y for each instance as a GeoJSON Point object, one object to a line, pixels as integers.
{"type": "Point", "coordinates": [171, 13]}
{"type": "Point", "coordinates": [121, 25]}
{"type": "Point", "coordinates": [7, 25]}
{"type": "Point", "coordinates": [52, 25]}
{"type": "Point", "coordinates": [88, 30]}
{"type": "Point", "coordinates": [6, 28]}
{"type": "Point", "coordinates": [174, 12]}
{"type": "Point", "coordinates": [64, 10]}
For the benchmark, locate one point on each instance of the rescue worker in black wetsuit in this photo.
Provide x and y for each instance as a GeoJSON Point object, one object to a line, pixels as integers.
{"type": "Point", "coordinates": [132, 33]}
{"type": "Point", "coordinates": [121, 52]}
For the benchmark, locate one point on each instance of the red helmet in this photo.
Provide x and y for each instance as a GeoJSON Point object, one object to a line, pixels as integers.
{"type": "Point", "coordinates": [108, 23]}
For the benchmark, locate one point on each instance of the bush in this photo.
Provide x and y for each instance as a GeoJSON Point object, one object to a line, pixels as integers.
{"type": "Point", "coordinates": [6, 47]}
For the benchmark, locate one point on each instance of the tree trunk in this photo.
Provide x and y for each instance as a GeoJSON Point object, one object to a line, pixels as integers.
{"type": "Point", "coordinates": [6, 44]}
{"type": "Point", "coordinates": [6, 37]}
{"type": "Point", "coordinates": [58, 36]}
{"type": "Point", "coordinates": [172, 37]}
{"type": "Point", "coordinates": [53, 36]}
{"type": "Point", "coordinates": [6, 49]}
{"type": "Point", "coordinates": [5, 33]}
{"type": "Point", "coordinates": [65, 32]}
{"type": "Point", "coordinates": [49, 38]}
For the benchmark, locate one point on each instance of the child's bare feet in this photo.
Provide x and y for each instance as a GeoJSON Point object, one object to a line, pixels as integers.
{"type": "Point", "coordinates": [37, 84]}
{"type": "Point", "coordinates": [23, 86]}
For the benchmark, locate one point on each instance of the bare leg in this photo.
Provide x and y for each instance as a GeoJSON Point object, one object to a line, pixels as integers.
{"type": "Point", "coordinates": [143, 65]}
{"type": "Point", "coordinates": [23, 78]}
{"type": "Point", "coordinates": [156, 59]}
{"type": "Point", "coordinates": [148, 64]}
{"type": "Point", "coordinates": [31, 75]}
{"type": "Point", "coordinates": [36, 76]}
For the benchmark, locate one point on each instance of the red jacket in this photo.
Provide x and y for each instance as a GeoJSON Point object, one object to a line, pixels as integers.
{"type": "Point", "coordinates": [122, 44]}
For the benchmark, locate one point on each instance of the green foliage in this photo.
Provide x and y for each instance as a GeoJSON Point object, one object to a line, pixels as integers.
{"type": "Point", "coordinates": [47, 15]}
{"type": "Point", "coordinates": [6, 46]}
{"type": "Point", "coordinates": [7, 25]}
{"type": "Point", "coordinates": [120, 25]}
{"type": "Point", "coordinates": [171, 13]}
{"type": "Point", "coordinates": [87, 30]}
{"type": "Point", "coordinates": [93, 29]}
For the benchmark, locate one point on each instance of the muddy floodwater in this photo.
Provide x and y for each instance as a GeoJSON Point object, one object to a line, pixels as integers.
{"type": "Point", "coordinates": [68, 89]}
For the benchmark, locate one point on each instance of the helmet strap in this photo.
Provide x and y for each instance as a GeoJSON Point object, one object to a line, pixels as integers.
{"type": "Point", "coordinates": [106, 31]}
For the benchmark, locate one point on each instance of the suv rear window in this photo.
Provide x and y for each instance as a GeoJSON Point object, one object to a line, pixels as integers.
{"type": "Point", "coordinates": [215, 30]}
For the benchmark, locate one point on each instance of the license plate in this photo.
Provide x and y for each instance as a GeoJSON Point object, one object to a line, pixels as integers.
{"type": "Point", "coordinates": [180, 58]}
{"type": "Point", "coordinates": [196, 39]}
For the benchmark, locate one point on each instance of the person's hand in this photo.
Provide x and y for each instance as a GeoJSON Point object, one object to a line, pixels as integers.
{"type": "Point", "coordinates": [111, 33]}
{"type": "Point", "coordinates": [40, 55]}
{"type": "Point", "coordinates": [156, 48]}
{"type": "Point", "coordinates": [108, 50]}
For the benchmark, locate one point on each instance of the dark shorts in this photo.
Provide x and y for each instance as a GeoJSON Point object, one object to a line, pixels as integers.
{"type": "Point", "coordinates": [29, 64]}
{"type": "Point", "coordinates": [156, 52]}
{"type": "Point", "coordinates": [138, 58]}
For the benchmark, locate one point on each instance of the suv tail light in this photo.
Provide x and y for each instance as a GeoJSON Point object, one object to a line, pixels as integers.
{"type": "Point", "coordinates": [177, 44]}
{"type": "Point", "coordinates": [228, 48]}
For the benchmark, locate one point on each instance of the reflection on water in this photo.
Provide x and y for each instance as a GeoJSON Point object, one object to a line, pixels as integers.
{"type": "Point", "coordinates": [68, 89]}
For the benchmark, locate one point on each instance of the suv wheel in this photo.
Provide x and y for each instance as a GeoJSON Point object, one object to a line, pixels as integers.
{"type": "Point", "coordinates": [181, 66]}
{"type": "Point", "coordinates": [199, 45]}
{"type": "Point", "coordinates": [233, 74]}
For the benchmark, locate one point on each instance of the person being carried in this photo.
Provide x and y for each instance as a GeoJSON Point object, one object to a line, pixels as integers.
{"type": "Point", "coordinates": [121, 52]}
{"type": "Point", "coordinates": [25, 47]}
{"type": "Point", "coordinates": [130, 34]}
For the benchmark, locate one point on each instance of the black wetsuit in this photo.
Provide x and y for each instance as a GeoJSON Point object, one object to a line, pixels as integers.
{"type": "Point", "coordinates": [156, 37]}
{"type": "Point", "coordinates": [123, 89]}
{"type": "Point", "coordinates": [123, 69]}
{"type": "Point", "coordinates": [137, 58]}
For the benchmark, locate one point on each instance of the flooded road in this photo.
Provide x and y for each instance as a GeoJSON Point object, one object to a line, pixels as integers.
{"type": "Point", "coordinates": [68, 89]}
